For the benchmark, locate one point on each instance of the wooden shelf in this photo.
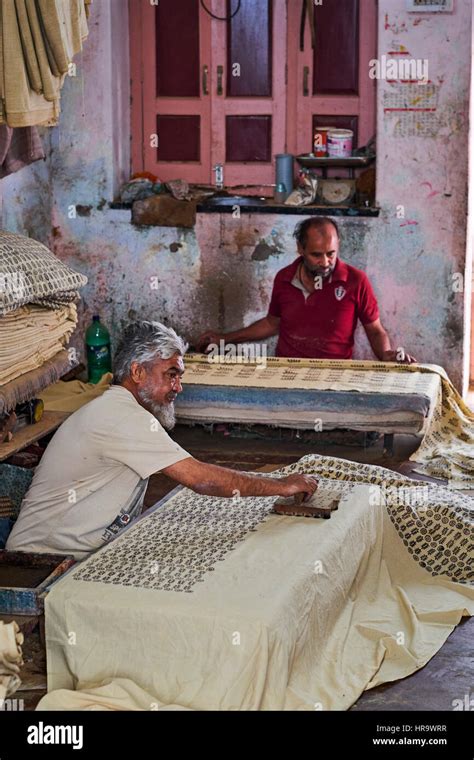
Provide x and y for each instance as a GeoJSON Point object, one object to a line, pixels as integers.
{"type": "Point", "coordinates": [32, 433]}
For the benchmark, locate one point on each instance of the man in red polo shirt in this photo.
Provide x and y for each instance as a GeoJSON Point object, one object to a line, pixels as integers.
{"type": "Point", "coordinates": [316, 303]}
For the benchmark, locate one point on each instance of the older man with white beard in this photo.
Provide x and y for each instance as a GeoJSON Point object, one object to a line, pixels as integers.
{"type": "Point", "coordinates": [93, 475]}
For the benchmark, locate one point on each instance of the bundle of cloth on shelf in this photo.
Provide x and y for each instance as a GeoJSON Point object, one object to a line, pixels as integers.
{"type": "Point", "coordinates": [31, 335]}
{"type": "Point", "coordinates": [39, 39]}
{"type": "Point", "coordinates": [37, 317]}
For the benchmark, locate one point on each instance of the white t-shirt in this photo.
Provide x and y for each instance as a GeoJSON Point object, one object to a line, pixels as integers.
{"type": "Point", "coordinates": [92, 477]}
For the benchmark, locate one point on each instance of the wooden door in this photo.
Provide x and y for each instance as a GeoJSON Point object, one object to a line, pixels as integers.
{"type": "Point", "coordinates": [171, 108]}
{"type": "Point", "coordinates": [248, 101]}
{"type": "Point", "coordinates": [330, 85]}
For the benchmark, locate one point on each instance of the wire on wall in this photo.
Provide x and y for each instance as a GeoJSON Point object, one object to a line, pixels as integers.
{"type": "Point", "coordinates": [222, 18]}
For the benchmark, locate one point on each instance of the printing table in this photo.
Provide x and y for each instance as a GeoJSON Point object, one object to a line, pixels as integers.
{"type": "Point", "coordinates": [308, 395]}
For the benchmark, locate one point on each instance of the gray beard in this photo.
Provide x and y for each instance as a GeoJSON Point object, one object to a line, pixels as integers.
{"type": "Point", "coordinates": [165, 414]}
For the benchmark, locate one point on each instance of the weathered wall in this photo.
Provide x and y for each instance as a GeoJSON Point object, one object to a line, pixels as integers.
{"type": "Point", "coordinates": [220, 274]}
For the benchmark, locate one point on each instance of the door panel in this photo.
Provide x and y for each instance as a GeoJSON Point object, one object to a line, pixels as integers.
{"type": "Point", "coordinates": [336, 55]}
{"type": "Point", "coordinates": [177, 49]}
{"type": "Point", "coordinates": [170, 124]}
{"type": "Point", "coordinates": [180, 138]}
{"type": "Point", "coordinates": [249, 138]}
{"type": "Point", "coordinates": [250, 160]}
{"type": "Point", "coordinates": [249, 50]}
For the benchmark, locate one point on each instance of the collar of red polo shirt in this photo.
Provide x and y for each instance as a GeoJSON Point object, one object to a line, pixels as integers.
{"type": "Point", "coordinates": [340, 273]}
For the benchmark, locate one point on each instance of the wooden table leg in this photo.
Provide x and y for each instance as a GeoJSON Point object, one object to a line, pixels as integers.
{"type": "Point", "coordinates": [388, 444]}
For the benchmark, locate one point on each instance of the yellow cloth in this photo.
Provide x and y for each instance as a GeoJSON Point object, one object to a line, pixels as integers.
{"type": "Point", "coordinates": [39, 40]}
{"type": "Point", "coordinates": [29, 52]}
{"type": "Point", "coordinates": [22, 107]}
{"type": "Point", "coordinates": [241, 609]}
{"type": "Point", "coordinates": [10, 658]}
{"type": "Point", "coordinates": [31, 335]}
{"type": "Point", "coordinates": [65, 28]}
{"type": "Point", "coordinates": [70, 396]}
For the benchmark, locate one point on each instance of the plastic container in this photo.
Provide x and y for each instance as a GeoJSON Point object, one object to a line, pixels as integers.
{"type": "Point", "coordinates": [99, 357]}
{"type": "Point", "coordinates": [284, 171]}
{"type": "Point", "coordinates": [280, 193]}
{"type": "Point", "coordinates": [320, 142]}
{"type": "Point", "coordinates": [340, 143]}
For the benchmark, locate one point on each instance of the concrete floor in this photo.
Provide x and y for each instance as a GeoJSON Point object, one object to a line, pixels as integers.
{"type": "Point", "coordinates": [448, 676]}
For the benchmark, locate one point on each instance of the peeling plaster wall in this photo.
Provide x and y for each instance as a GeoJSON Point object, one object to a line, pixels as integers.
{"type": "Point", "coordinates": [220, 274]}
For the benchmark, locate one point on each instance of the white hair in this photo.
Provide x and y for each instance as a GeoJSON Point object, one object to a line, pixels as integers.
{"type": "Point", "coordinates": [144, 342]}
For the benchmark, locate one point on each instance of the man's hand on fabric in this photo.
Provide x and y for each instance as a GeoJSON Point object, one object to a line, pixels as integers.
{"type": "Point", "coordinates": [295, 484]}
{"type": "Point", "coordinates": [400, 356]}
{"type": "Point", "coordinates": [208, 338]}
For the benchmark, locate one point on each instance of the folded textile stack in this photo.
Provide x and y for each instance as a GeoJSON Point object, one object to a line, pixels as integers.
{"type": "Point", "coordinates": [37, 318]}
{"type": "Point", "coordinates": [31, 335]}
{"type": "Point", "coordinates": [38, 40]}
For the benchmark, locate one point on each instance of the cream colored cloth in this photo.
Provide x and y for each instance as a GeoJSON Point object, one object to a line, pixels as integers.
{"type": "Point", "coordinates": [30, 336]}
{"type": "Point", "coordinates": [120, 694]}
{"type": "Point", "coordinates": [65, 27]}
{"type": "Point", "coordinates": [92, 478]}
{"type": "Point", "coordinates": [11, 658]}
{"type": "Point", "coordinates": [22, 106]}
{"type": "Point", "coordinates": [216, 604]}
{"type": "Point", "coordinates": [310, 374]}
{"type": "Point", "coordinates": [39, 40]}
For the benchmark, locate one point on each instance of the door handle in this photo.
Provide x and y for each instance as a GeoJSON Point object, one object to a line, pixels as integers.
{"type": "Point", "coordinates": [220, 74]}
{"type": "Point", "coordinates": [306, 81]}
{"type": "Point", "coordinates": [205, 75]}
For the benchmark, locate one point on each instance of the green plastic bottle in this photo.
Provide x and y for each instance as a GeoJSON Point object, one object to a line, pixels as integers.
{"type": "Point", "coordinates": [99, 358]}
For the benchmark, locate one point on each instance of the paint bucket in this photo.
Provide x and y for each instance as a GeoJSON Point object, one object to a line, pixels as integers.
{"type": "Point", "coordinates": [340, 143]}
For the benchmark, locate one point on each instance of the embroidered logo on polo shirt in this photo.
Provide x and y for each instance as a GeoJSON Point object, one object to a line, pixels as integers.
{"type": "Point", "coordinates": [340, 292]}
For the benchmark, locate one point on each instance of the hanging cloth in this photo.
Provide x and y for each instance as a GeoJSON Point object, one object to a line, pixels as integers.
{"type": "Point", "coordinates": [38, 40]}
{"type": "Point", "coordinates": [307, 9]}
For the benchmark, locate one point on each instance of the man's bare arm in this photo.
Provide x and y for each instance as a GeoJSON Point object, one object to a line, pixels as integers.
{"type": "Point", "coordinates": [259, 330]}
{"type": "Point", "coordinates": [380, 342]}
{"type": "Point", "coordinates": [211, 480]}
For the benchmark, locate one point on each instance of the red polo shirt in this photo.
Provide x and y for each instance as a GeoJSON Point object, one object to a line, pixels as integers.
{"type": "Point", "coordinates": [321, 325]}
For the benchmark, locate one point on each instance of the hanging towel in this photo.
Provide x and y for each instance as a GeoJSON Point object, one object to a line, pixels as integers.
{"type": "Point", "coordinates": [38, 40]}
{"type": "Point", "coordinates": [29, 51]}
{"type": "Point", "coordinates": [22, 107]}
{"type": "Point", "coordinates": [19, 147]}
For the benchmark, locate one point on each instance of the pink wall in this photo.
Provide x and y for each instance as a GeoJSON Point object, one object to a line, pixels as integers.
{"type": "Point", "coordinates": [220, 273]}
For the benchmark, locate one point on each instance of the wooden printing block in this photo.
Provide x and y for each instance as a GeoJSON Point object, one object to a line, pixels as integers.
{"type": "Point", "coordinates": [321, 504]}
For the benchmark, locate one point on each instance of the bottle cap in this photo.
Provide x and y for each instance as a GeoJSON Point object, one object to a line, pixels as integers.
{"type": "Point", "coordinates": [96, 318]}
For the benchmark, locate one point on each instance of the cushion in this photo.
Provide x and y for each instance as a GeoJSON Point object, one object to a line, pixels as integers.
{"type": "Point", "coordinates": [31, 273]}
